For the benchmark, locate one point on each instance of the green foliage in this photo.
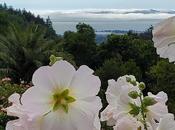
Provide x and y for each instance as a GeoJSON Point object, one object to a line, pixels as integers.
{"type": "Point", "coordinates": [114, 68]}
{"type": "Point", "coordinates": [7, 89]}
{"type": "Point", "coordinates": [135, 110]}
{"type": "Point", "coordinates": [81, 44]}
{"type": "Point", "coordinates": [23, 50]}
{"type": "Point", "coordinates": [162, 78]}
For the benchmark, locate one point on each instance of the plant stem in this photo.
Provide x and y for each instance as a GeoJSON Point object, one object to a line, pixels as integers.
{"type": "Point", "coordinates": [142, 112]}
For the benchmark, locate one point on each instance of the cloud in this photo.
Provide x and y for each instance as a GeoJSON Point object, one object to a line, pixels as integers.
{"type": "Point", "coordinates": [105, 14]}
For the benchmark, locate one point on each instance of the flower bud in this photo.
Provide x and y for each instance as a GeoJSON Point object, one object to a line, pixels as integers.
{"type": "Point", "coordinates": [128, 79]}
{"type": "Point", "coordinates": [142, 86]}
{"type": "Point", "coordinates": [149, 101]}
{"type": "Point", "coordinates": [133, 94]}
{"type": "Point", "coordinates": [134, 82]}
{"type": "Point", "coordinates": [54, 59]}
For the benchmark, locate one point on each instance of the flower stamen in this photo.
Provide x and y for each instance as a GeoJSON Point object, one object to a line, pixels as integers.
{"type": "Point", "coordinates": [62, 100]}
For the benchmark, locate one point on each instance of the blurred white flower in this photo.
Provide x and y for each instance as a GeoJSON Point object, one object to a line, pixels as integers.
{"type": "Point", "coordinates": [128, 109]}
{"type": "Point", "coordinates": [26, 121]}
{"type": "Point", "coordinates": [6, 79]}
{"type": "Point", "coordinates": [164, 38]}
{"type": "Point", "coordinates": [158, 110]}
{"type": "Point", "coordinates": [167, 123]}
{"type": "Point", "coordinates": [118, 98]}
{"type": "Point", "coordinates": [108, 115]}
{"type": "Point", "coordinates": [65, 98]}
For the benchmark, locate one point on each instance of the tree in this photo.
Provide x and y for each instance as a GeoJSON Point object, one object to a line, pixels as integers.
{"type": "Point", "coordinates": [81, 44]}
{"type": "Point", "coordinates": [50, 32]}
{"type": "Point", "coordinates": [162, 78]}
{"type": "Point", "coordinates": [23, 50]}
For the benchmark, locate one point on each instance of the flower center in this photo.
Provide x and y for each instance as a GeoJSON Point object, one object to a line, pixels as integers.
{"type": "Point", "coordinates": [61, 100]}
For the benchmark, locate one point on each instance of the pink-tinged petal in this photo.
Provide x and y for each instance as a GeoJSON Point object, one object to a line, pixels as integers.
{"type": "Point", "coordinates": [160, 97]}
{"type": "Point", "coordinates": [108, 115]}
{"type": "Point", "coordinates": [164, 30]}
{"type": "Point", "coordinates": [167, 123]}
{"type": "Point", "coordinates": [14, 98]}
{"type": "Point", "coordinates": [16, 108]}
{"type": "Point", "coordinates": [84, 113]}
{"type": "Point", "coordinates": [57, 76]}
{"type": "Point", "coordinates": [56, 121]}
{"type": "Point", "coordinates": [164, 38]}
{"type": "Point", "coordinates": [113, 92]}
{"type": "Point", "coordinates": [83, 121]}
{"type": "Point", "coordinates": [127, 123]}
{"type": "Point", "coordinates": [157, 111]}
{"type": "Point", "coordinates": [23, 123]}
{"type": "Point", "coordinates": [85, 70]}
{"type": "Point", "coordinates": [44, 78]}
{"type": "Point", "coordinates": [10, 125]}
{"type": "Point", "coordinates": [84, 84]}
{"type": "Point", "coordinates": [63, 73]}
{"type": "Point", "coordinates": [37, 100]}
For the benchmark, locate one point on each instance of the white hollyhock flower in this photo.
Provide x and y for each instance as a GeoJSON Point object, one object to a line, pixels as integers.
{"type": "Point", "coordinates": [118, 98]}
{"type": "Point", "coordinates": [167, 123]}
{"type": "Point", "coordinates": [164, 38]}
{"type": "Point", "coordinates": [66, 98]}
{"type": "Point", "coordinates": [25, 121]}
{"type": "Point", "coordinates": [158, 110]}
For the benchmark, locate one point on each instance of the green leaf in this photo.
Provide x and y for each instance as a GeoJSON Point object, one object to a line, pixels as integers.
{"type": "Point", "coordinates": [149, 101]}
{"type": "Point", "coordinates": [135, 110]}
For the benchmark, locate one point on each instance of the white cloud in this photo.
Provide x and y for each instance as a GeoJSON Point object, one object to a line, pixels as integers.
{"type": "Point", "coordinates": [105, 14]}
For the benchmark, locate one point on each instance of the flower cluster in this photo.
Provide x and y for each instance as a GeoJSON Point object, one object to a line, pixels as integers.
{"type": "Point", "coordinates": [128, 109]}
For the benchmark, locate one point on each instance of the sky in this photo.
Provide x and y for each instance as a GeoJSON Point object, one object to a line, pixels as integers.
{"type": "Point", "coordinates": [87, 4]}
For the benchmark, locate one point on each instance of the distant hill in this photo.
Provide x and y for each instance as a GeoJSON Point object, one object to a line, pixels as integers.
{"type": "Point", "coordinates": [10, 16]}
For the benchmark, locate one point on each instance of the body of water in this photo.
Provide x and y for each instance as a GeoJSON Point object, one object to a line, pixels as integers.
{"type": "Point", "coordinates": [106, 19]}
{"type": "Point", "coordinates": [138, 25]}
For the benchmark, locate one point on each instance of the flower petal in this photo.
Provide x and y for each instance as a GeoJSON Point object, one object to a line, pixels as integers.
{"type": "Point", "coordinates": [57, 76]}
{"type": "Point", "coordinates": [164, 38]}
{"type": "Point", "coordinates": [85, 113]}
{"type": "Point", "coordinates": [63, 73]}
{"type": "Point", "coordinates": [84, 84]}
{"type": "Point", "coordinates": [37, 100]}
{"type": "Point", "coordinates": [167, 123]}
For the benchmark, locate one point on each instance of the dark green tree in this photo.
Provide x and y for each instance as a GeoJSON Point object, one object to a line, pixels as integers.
{"type": "Point", "coordinates": [162, 78]}
{"type": "Point", "coordinates": [81, 44]}
{"type": "Point", "coordinates": [23, 50]}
